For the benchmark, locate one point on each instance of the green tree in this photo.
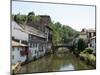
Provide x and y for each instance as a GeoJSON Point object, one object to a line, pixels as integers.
{"type": "Point", "coordinates": [20, 18]}
{"type": "Point", "coordinates": [32, 17]}
{"type": "Point", "coordinates": [81, 45]}
{"type": "Point", "coordinates": [31, 13]}
{"type": "Point", "coordinates": [61, 33]}
{"type": "Point", "coordinates": [24, 19]}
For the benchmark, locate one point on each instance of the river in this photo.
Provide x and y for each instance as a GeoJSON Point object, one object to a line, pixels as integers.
{"type": "Point", "coordinates": [55, 62]}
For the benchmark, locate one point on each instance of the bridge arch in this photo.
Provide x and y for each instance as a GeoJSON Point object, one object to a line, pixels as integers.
{"type": "Point", "coordinates": [56, 47]}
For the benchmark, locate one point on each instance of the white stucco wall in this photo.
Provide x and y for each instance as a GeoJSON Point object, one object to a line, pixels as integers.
{"type": "Point", "coordinates": [83, 37]}
{"type": "Point", "coordinates": [93, 45]}
{"type": "Point", "coordinates": [17, 56]}
{"type": "Point", "coordinates": [17, 33]}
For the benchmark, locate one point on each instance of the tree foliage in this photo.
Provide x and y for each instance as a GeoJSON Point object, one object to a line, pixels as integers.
{"type": "Point", "coordinates": [61, 33]}
{"type": "Point", "coordinates": [81, 45]}
{"type": "Point", "coordinates": [88, 50]}
{"type": "Point", "coordinates": [22, 19]}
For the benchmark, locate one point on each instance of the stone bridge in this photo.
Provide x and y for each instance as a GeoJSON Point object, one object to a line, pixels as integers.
{"type": "Point", "coordinates": [68, 45]}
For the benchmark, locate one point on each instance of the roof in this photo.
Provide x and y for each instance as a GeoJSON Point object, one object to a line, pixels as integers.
{"type": "Point", "coordinates": [91, 30]}
{"type": "Point", "coordinates": [83, 30]}
{"type": "Point", "coordinates": [33, 31]}
{"type": "Point", "coordinates": [49, 27]}
{"type": "Point", "coordinates": [14, 43]}
{"type": "Point", "coordinates": [15, 23]}
{"type": "Point", "coordinates": [44, 16]}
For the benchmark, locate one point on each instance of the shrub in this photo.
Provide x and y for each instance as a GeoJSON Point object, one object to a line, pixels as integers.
{"type": "Point", "coordinates": [81, 45]}
{"type": "Point", "coordinates": [88, 50]}
{"type": "Point", "coordinates": [88, 58]}
{"type": "Point", "coordinates": [92, 59]}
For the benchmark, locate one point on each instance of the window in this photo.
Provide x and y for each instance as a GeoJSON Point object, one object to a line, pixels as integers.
{"type": "Point", "coordinates": [30, 44]}
{"type": "Point", "coordinates": [24, 42]}
{"type": "Point", "coordinates": [90, 45]}
{"type": "Point", "coordinates": [13, 48]}
{"type": "Point", "coordinates": [22, 53]}
{"type": "Point", "coordinates": [13, 38]}
{"type": "Point", "coordinates": [29, 36]}
{"type": "Point", "coordinates": [93, 46]}
{"type": "Point", "coordinates": [94, 34]}
{"type": "Point", "coordinates": [36, 45]}
{"type": "Point", "coordinates": [89, 34]}
{"type": "Point", "coordinates": [18, 48]}
{"type": "Point", "coordinates": [12, 56]}
{"type": "Point", "coordinates": [33, 45]}
{"type": "Point", "coordinates": [35, 51]}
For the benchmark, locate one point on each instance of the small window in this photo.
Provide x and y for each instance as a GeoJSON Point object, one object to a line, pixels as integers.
{"type": "Point", "coordinates": [90, 45]}
{"type": "Point", "coordinates": [89, 35]}
{"type": "Point", "coordinates": [35, 51]}
{"type": "Point", "coordinates": [13, 48]}
{"type": "Point", "coordinates": [12, 56]}
{"type": "Point", "coordinates": [33, 45]}
{"type": "Point", "coordinates": [29, 36]}
{"type": "Point", "coordinates": [18, 48]}
{"type": "Point", "coordinates": [94, 34]}
{"type": "Point", "coordinates": [36, 45]}
{"type": "Point", "coordinates": [30, 44]}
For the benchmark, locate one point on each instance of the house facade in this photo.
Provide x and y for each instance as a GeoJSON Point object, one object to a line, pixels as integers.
{"type": "Point", "coordinates": [90, 35]}
{"type": "Point", "coordinates": [45, 31]}
{"type": "Point", "coordinates": [37, 37]}
{"type": "Point", "coordinates": [19, 43]}
{"type": "Point", "coordinates": [18, 32]}
{"type": "Point", "coordinates": [48, 32]}
{"type": "Point", "coordinates": [45, 23]}
{"type": "Point", "coordinates": [83, 35]}
{"type": "Point", "coordinates": [18, 52]}
{"type": "Point", "coordinates": [93, 44]}
{"type": "Point", "coordinates": [36, 42]}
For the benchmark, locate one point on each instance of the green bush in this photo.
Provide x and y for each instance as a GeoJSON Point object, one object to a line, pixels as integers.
{"type": "Point", "coordinates": [88, 58]}
{"type": "Point", "coordinates": [92, 59]}
{"type": "Point", "coordinates": [84, 56]}
{"type": "Point", "coordinates": [81, 45]}
{"type": "Point", "coordinates": [88, 50]}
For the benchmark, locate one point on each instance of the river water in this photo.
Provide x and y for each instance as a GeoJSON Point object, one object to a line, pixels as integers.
{"type": "Point", "coordinates": [55, 62]}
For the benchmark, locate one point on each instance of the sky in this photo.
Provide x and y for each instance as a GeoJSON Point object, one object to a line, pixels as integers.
{"type": "Point", "coordinates": [76, 16]}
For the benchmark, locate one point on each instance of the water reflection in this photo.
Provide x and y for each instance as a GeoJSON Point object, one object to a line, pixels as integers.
{"type": "Point", "coordinates": [67, 67]}
{"type": "Point", "coordinates": [55, 62]}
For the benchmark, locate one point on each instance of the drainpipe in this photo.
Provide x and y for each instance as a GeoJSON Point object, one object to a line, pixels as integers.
{"type": "Point", "coordinates": [20, 41]}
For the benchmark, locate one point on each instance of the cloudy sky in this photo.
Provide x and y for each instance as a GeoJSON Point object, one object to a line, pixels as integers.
{"type": "Point", "coordinates": [76, 16]}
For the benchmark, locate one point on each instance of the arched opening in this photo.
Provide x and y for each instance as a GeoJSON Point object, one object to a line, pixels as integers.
{"type": "Point", "coordinates": [62, 50]}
